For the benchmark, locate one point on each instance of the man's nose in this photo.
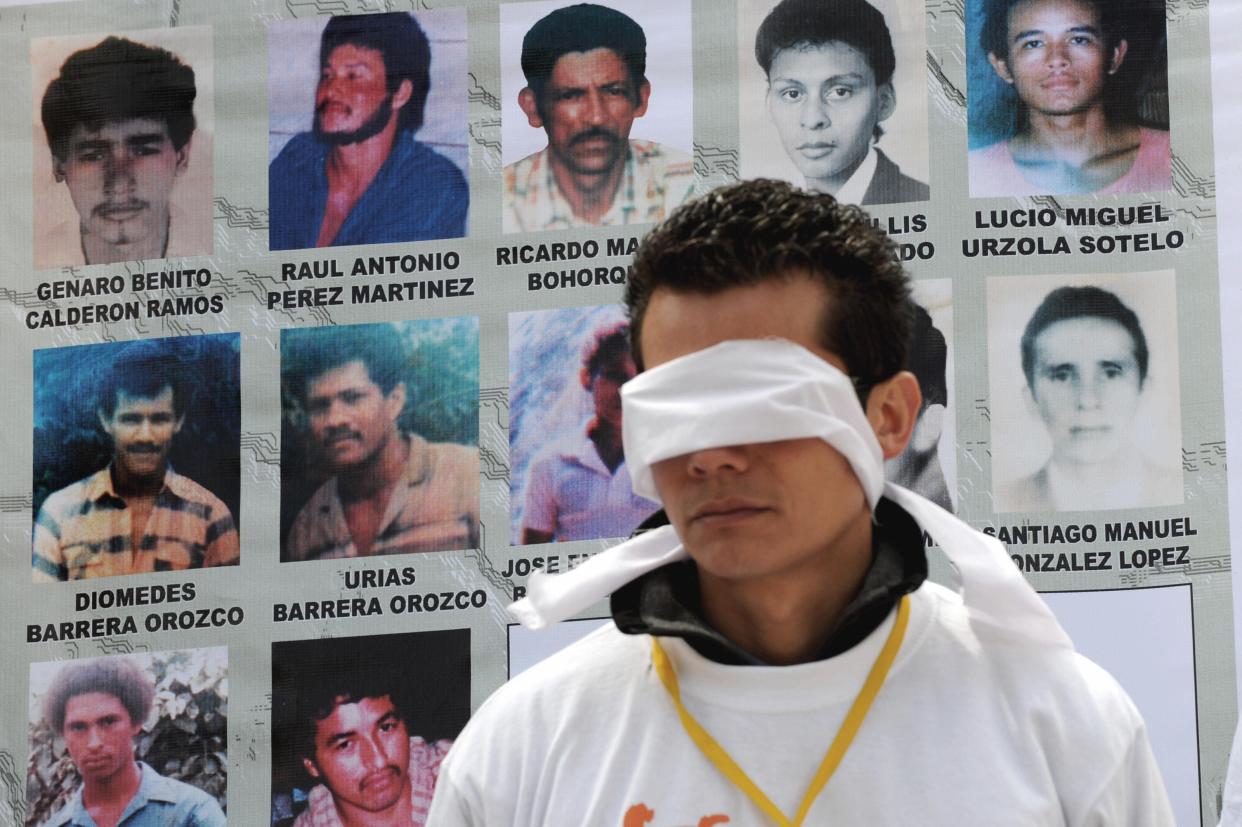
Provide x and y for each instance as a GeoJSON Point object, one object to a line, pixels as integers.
{"type": "Point", "coordinates": [93, 738]}
{"type": "Point", "coordinates": [596, 108]}
{"type": "Point", "coordinates": [710, 461]}
{"type": "Point", "coordinates": [145, 429]}
{"type": "Point", "coordinates": [335, 414]}
{"type": "Point", "coordinates": [1089, 394]}
{"type": "Point", "coordinates": [374, 756]}
{"type": "Point", "coordinates": [815, 113]}
{"type": "Point", "coordinates": [1057, 54]}
{"type": "Point", "coordinates": [118, 172]}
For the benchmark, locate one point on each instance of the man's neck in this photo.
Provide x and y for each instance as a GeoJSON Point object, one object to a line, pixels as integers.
{"type": "Point", "coordinates": [608, 444]}
{"type": "Point", "coordinates": [114, 792]}
{"type": "Point", "coordinates": [96, 250]}
{"type": "Point", "coordinates": [400, 814]}
{"type": "Point", "coordinates": [589, 196]}
{"type": "Point", "coordinates": [789, 616]}
{"type": "Point", "coordinates": [374, 478]}
{"type": "Point", "coordinates": [1075, 138]}
{"type": "Point", "coordinates": [352, 167]}
{"type": "Point", "coordinates": [129, 485]}
{"type": "Point", "coordinates": [1081, 485]}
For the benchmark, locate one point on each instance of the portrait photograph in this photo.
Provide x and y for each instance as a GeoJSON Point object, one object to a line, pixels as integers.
{"type": "Point", "coordinates": [832, 97]}
{"type": "Point", "coordinates": [569, 480]}
{"type": "Point", "coordinates": [1067, 97]}
{"type": "Point", "coordinates": [361, 724]}
{"type": "Point", "coordinates": [597, 113]}
{"type": "Point", "coordinates": [136, 457]}
{"type": "Point", "coordinates": [380, 96]}
{"type": "Point", "coordinates": [145, 733]}
{"type": "Point", "coordinates": [379, 438]}
{"type": "Point", "coordinates": [123, 133]}
{"type": "Point", "coordinates": [928, 465]}
{"type": "Point", "coordinates": [1084, 400]}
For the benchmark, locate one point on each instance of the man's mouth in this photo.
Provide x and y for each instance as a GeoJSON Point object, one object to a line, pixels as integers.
{"type": "Point", "coordinates": [387, 777]}
{"type": "Point", "coordinates": [143, 448]}
{"type": "Point", "coordinates": [595, 139]}
{"type": "Point", "coordinates": [1059, 82]}
{"type": "Point", "coordinates": [817, 149]}
{"type": "Point", "coordinates": [727, 509]}
{"type": "Point", "coordinates": [122, 211]}
{"type": "Point", "coordinates": [336, 439]}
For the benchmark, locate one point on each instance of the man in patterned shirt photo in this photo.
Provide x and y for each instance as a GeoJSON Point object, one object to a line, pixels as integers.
{"type": "Point", "coordinates": [136, 515]}
{"type": "Point", "coordinates": [586, 84]}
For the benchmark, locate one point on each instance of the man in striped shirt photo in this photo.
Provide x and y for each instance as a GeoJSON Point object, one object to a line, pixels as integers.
{"type": "Point", "coordinates": [136, 515]}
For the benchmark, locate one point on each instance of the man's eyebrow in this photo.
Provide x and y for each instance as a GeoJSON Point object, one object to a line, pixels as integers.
{"type": "Point", "coordinates": [144, 138]}
{"type": "Point", "coordinates": [92, 143]}
{"type": "Point", "coordinates": [340, 736]}
{"type": "Point", "coordinates": [843, 77]}
{"type": "Point", "coordinates": [1085, 29]}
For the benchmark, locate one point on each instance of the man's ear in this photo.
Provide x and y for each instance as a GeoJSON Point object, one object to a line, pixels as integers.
{"type": "Point", "coordinates": [526, 100]}
{"type": "Point", "coordinates": [394, 401]}
{"type": "Point", "coordinates": [405, 89]}
{"type": "Point", "coordinates": [1001, 67]}
{"type": "Point", "coordinates": [183, 156]}
{"type": "Point", "coordinates": [888, 102]}
{"type": "Point", "coordinates": [310, 767]}
{"type": "Point", "coordinates": [892, 409]}
{"type": "Point", "coordinates": [644, 95]}
{"type": "Point", "coordinates": [1119, 54]}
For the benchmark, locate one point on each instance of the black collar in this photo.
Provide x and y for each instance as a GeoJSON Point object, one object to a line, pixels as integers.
{"type": "Point", "coordinates": [666, 603]}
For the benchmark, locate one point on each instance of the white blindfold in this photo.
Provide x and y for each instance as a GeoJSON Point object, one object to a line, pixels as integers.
{"type": "Point", "coordinates": [754, 391]}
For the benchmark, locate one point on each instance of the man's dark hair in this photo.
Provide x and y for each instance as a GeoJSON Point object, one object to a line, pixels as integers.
{"type": "Point", "coordinates": [582, 28]}
{"type": "Point", "coordinates": [748, 233]}
{"type": "Point", "coordinates": [320, 694]}
{"type": "Point", "coordinates": [794, 24]}
{"type": "Point", "coordinates": [606, 347]}
{"type": "Point", "coordinates": [994, 36]}
{"type": "Point", "coordinates": [308, 353]}
{"type": "Point", "coordinates": [144, 375]}
{"type": "Point", "coordinates": [1081, 303]}
{"type": "Point", "coordinates": [119, 677]}
{"type": "Point", "coordinates": [119, 80]}
{"type": "Point", "coordinates": [402, 44]}
{"type": "Point", "coordinates": [929, 357]}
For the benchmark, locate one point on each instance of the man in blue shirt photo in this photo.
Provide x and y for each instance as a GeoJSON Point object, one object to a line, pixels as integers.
{"type": "Point", "coordinates": [98, 707]}
{"type": "Point", "coordinates": [360, 176]}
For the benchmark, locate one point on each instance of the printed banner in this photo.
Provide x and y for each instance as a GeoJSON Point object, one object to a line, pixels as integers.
{"type": "Point", "coordinates": [312, 337]}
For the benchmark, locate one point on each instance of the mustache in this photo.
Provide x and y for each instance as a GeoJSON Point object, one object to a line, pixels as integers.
{"type": "Point", "coordinates": [323, 107]}
{"type": "Point", "coordinates": [595, 133]}
{"type": "Point", "coordinates": [340, 432]}
{"type": "Point", "coordinates": [142, 448]}
{"type": "Point", "coordinates": [380, 776]}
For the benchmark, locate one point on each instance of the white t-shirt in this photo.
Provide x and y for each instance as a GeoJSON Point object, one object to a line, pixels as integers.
{"type": "Point", "coordinates": [972, 727]}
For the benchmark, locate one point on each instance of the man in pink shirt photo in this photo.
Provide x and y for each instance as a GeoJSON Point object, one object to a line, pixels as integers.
{"type": "Point", "coordinates": [1075, 131]}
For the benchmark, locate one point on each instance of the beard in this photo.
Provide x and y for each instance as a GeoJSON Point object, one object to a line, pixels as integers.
{"type": "Point", "coordinates": [369, 128]}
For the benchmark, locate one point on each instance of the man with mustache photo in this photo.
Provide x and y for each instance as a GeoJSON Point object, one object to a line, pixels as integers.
{"type": "Point", "coordinates": [387, 492]}
{"type": "Point", "coordinates": [98, 707]}
{"type": "Point", "coordinates": [119, 120]}
{"type": "Point", "coordinates": [585, 68]}
{"type": "Point", "coordinates": [137, 515]}
{"type": "Point", "coordinates": [1066, 65]}
{"type": "Point", "coordinates": [361, 176]}
{"type": "Point", "coordinates": [353, 740]}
